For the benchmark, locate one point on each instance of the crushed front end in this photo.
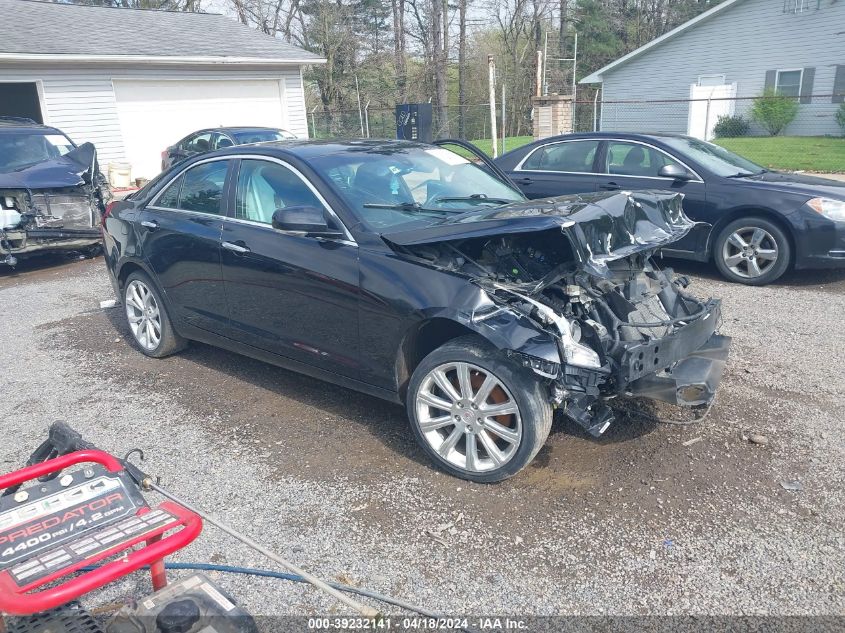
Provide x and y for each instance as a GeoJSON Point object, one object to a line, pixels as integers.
{"type": "Point", "coordinates": [582, 270]}
{"type": "Point", "coordinates": [51, 206]}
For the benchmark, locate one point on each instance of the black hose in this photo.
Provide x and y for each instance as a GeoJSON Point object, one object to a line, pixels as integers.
{"type": "Point", "coordinates": [267, 573]}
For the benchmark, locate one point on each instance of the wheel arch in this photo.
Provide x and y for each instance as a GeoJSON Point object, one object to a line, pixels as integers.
{"type": "Point", "coordinates": [419, 341]}
{"type": "Point", "coordinates": [751, 212]}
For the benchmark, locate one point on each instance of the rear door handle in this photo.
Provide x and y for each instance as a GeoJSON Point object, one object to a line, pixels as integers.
{"type": "Point", "coordinates": [611, 186]}
{"type": "Point", "coordinates": [150, 224]}
{"type": "Point", "coordinates": [236, 247]}
{"type": "Point", "coordinates": [523, 181]}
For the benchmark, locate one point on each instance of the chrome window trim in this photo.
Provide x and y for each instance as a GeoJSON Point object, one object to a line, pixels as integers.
{"type": "Point", "coordinates": [152, 204]}
{"type": "Point", "coordinates": [697, 178]}
{"type": "Point", "coordinates": [552, 171]}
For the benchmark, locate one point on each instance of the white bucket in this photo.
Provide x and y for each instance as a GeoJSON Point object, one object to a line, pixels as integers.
{"type": "Point", "coordinates": [120, 175]}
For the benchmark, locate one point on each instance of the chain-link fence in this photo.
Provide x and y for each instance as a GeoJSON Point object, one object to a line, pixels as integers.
{"type": "Point", "coordinates": [470, 122]}
{"type": "Point", "coordinates": [803, 132]}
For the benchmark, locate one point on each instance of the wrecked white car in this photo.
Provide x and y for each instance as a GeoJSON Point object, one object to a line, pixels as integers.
{"type": "Point", "coordinates": [52, 195]}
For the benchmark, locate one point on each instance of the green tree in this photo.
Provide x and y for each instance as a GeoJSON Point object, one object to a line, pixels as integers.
{"type": "Point", "coordinates": [773, 111]}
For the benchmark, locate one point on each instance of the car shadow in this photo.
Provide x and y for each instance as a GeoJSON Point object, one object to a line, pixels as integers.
{"type": "Point", "coordinates": [385, 421]}
{"type": "Point", "coordinates": [792, 278]}
{"type": "Point", "coordinates": [312, 397]}
{"type": "Point", "coordinates": [41, 262]}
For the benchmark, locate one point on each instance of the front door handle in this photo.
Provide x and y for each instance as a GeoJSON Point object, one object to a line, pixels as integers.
{"type": "Point", "coordinates": [236, 247]}
{"type": "Point", "coordinates": [611, 186]}
{"type": "Point", "coordinates": [150, 224]}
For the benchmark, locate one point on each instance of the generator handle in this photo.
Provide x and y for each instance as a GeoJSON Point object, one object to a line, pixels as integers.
{"type": "Point", "coordinates": [112, 464]}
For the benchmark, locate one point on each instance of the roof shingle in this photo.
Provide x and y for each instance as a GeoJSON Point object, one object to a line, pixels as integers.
{"type": "Point", "coordinates": [48, 28]}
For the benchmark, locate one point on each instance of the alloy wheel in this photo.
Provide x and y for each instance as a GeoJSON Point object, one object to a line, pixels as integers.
{"type": "Point", "coordinates": [468, 416]}
{"type": "Point", "coordinates": [143, 314]}
{"type": "Point", "coordinates": [750, 252]}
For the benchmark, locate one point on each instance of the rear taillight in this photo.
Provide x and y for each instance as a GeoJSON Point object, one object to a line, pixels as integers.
{"type": "Point", "coordinates": [109, 207]}
{"type": "Point", "coordinates": [164, 155]}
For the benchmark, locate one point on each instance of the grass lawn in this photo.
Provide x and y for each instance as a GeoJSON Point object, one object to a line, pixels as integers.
{"type": "Point", "coordinates": [511, 142]}
{"type": "Point", "coordinates": [793, 153]}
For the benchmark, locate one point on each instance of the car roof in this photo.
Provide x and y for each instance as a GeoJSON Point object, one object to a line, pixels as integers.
{"type": "Point", "coordinates": [303, 148]}
{"type": "Point", "coordinates": [20, 124]}
{"type": "Point", "coordinates": [605, 135]}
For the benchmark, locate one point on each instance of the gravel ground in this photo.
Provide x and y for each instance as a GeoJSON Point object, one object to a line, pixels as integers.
{"type": "Point", "coordinates": [637, 523]}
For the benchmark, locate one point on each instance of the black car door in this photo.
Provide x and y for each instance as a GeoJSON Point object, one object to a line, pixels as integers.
{"type": "Point", "coordinates": [180, 240]}
{"type": "Point", "coordinates": [632, 165]}
{"type": "Point", "coordinates": [289, 294]}
{"type": "Point", "coordinates": [558, 168]}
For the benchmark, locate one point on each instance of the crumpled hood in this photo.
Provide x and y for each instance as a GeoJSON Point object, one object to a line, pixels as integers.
{"type": "Point", "coordinates": [604, 226]}
{"type": "Point", "coordinates": [71, 170]}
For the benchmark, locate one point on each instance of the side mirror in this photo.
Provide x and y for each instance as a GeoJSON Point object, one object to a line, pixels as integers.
{"type": "Point", "coordinates": [304, 219]}
{"type": "Point", "coordinates": [675, 172]}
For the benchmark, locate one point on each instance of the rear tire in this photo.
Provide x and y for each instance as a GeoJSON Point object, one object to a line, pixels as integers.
{"type": "Point", "coordinates": [752, 251]}
{"type": "Point", "coordinates": [147, 318]}
{"type": "Point", "coordinates": [493, 416]}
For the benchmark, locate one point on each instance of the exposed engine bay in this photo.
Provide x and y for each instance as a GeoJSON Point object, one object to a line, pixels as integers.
{"type": "Point", "coordinates": [622, 325]}
{"type": "Point", "coordinates": [53, 205]}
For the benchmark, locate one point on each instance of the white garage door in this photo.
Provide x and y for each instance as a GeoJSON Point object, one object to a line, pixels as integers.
{"type": "Point", "coordinates": [156, 114]}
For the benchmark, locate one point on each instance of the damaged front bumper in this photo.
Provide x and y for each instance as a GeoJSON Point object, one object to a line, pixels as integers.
{"type": "Point", "coordinates": [683, 368]}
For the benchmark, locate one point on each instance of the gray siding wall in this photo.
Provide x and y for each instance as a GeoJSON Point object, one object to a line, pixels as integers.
{"type": "Point", "coordinates": [80, 100]}
{"type": "Point", "coordinates": [743, 42]}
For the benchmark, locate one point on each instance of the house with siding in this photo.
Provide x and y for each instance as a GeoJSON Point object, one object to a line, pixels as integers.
{"type": "Point", "coordinates": [717, 62]}
{"type": "Point", "coordinates": [135, 81]}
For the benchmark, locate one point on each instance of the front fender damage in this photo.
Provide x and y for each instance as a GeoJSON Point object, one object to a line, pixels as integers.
{"type": "Point", "coordinates": [583, 303]}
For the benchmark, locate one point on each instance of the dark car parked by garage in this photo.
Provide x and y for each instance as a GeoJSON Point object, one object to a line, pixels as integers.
{"type": "Point", "coordinates": [755, 223]}
{"type": "Point", "coordinates": [405, 271]}
{"type": "Point", "coordinates": [209, 140]}
{"type": "Point", "coordinates": [52, 194]}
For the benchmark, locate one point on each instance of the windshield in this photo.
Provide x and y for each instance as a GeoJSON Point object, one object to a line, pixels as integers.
{"type": "Point", "coordinates": [716, 159]}
{"type": "Point", "coordinates": [400, 185]}
{"type": "Point", "coordinates": [261, 136]}
{"type": "Point", "coordinates": [22, 149]}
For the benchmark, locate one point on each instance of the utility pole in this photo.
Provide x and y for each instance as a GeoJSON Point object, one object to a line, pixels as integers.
{"type": "Point", "coordinates": [462, 60]}
{"type": "Point", "coordinates": [491, 78]}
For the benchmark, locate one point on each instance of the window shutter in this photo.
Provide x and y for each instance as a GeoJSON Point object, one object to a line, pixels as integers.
{"type": "Point", "coordinates": [771, 78]}
{"type": "Point", "coordinates": [807, 85]}
{"type": "Point", "coordinates": [839, 85]}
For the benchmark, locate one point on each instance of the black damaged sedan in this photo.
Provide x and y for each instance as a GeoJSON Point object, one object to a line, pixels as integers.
{"type": "Point", "coordinates": [407, 272]}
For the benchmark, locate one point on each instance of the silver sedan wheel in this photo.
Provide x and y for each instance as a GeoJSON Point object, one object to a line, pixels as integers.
{"type": "Point", "coordinates": [468, 416]}
{"type": "Point", "coordinates": [142, 312]}
{"type": "Point", "coordinates": [750, 252]}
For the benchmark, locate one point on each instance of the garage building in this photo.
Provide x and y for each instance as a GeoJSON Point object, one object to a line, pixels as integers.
{"type": "Point", "coordinates": [134, 81]}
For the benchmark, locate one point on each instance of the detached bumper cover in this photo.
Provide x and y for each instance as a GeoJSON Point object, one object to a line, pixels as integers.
{"type": "Point", "coordinates": [684, 368]}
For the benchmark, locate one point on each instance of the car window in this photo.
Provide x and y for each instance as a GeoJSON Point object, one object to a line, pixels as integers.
{"type": "Point", "coordinates": [201, 188]}
{"type": "Point", "coordinates": [265, 186]}
{"type": "Point", "coordinates": [260, 136]}
{"type": "Point", "coordinates": [170, 197]}
{"type": "Point", "coordinates": [221, 141]}
{"type": "Point", "coordinates": [199, 143]}
{"type": "Point", "coordinates": [634, 159]}
{"type": "Point", "coordinates": [21, 149]}
{"type": "Point", "coordinates": [571, 156]}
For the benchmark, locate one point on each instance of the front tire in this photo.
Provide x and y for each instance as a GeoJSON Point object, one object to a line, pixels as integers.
{"type": "Point", "coordinates": [475, 412]}
{"type": "Point", "coordinates": [752, 251]}
{"type": "Point", "coordinates": [147, 318]}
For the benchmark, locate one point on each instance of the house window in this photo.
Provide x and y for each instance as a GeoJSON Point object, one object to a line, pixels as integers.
{"type": "Point", "coordinates": [788, 83]}
{"type": "Point", "coordinates": [711, 80]}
